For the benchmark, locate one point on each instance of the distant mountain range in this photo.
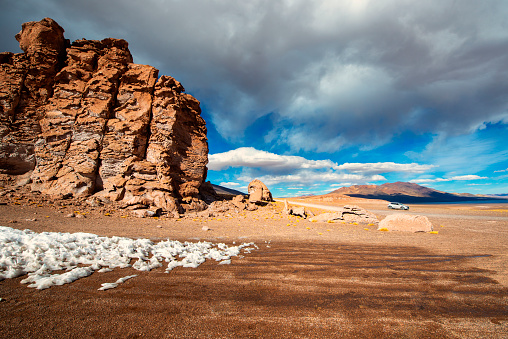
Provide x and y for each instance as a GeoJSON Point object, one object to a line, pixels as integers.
{"type": "Point", "coordinates": [406, 192]}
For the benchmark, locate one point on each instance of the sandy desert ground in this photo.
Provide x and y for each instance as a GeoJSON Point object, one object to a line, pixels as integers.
{"type": "Point", "coordinates": [306, 280]}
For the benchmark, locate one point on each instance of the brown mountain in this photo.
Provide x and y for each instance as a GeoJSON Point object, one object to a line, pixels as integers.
{"type": "Point", "coordinates": [404, 192]}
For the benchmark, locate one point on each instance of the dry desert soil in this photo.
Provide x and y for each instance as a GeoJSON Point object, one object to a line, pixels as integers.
{"type": "Point", "coordinates": [306, 280]}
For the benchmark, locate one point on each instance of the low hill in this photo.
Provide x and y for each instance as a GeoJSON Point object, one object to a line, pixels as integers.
{"type": "Point", "coordinates": [405, 192]}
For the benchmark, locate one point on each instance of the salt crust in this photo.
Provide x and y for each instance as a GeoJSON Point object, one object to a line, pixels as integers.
{"type": "Point", "coordinates": [81, 254]}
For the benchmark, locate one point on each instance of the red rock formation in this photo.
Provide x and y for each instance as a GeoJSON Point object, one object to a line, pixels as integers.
{"type": "Point", "coordinates": [97, 123]}
{"type": "Point", "coordinates": [75, 118]}
{"type": "Point", "coordinates": [27, 85]}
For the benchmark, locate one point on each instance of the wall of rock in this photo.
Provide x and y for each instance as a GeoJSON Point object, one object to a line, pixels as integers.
{"type": "Point", "coordinates": [84, 119]}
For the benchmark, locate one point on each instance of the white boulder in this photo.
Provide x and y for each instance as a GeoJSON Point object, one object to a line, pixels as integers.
{"type": "Point", "coordinates": [406, 223]}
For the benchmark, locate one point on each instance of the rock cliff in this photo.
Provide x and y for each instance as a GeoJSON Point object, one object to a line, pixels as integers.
{"type": "Point", "coordinates": [85, 120]}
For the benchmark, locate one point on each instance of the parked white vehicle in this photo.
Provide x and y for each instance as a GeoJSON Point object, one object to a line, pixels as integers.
{"type": "Point", "coordinates": [397, 206]}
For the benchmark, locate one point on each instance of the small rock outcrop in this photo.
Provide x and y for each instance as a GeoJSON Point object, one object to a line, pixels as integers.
{"type": "Point", "coordinates": [347, 214]}
{"type": "Point", "coordinates": [84, 120]}
{"type": "Point", "coordinates": [299, 212]}
{"type": "Point", "coordinates": [259, 193]}
{"type": "Point", "coordinates": [239, 202]}
{"type": "Point", "coordinates": [296, 211]}
{"type": "Point", "coordinates": [405, 223]}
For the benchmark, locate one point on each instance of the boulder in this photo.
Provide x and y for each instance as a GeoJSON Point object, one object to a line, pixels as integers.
{"type": "Point", "coordinates": [219, 207]}
{"type": "Point", "coordinates": [406, 223]}
{"type": "Point", "coordinates": [259, 193]}
{"type": "Point", "coordinates": [299, 212]}
{"type": "Point", "coordinates": [348, 213]}
{"type": "Point", "coordinates": [296, 211]}
{"type": "Point", "coordinates": [194, 205]}
{"type": "Point", "coordinates": [327, 217]}
{"type": "Point", "coordinates": [239, 202]}
{"type": "Point", "coordinates": [251, 207]}
{"type": "Point", "coordinates": [353, 213]}
{"type": "Point", "coordinates": [143, 213]}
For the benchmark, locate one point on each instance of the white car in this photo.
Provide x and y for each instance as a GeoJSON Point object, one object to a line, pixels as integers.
{"type": "Point", "coordinates": [397, 206]}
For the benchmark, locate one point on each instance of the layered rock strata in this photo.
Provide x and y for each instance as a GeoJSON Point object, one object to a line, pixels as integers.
{"type": "Point", "coordinates": [87, 120]}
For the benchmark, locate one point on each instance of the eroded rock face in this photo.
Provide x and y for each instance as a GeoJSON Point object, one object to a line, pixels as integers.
{"type": "Point", "coordinates": [26, 86]}
{"type": "Point", "coordinates": [87, 120]}
{"type": "Point", "coordinates": [73, 126]}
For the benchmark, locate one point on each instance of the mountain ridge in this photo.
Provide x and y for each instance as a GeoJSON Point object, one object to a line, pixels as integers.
{"type": "Point", "coordinates": [407, 192]}
{"type": "Point", "coordinates": [226, 191]}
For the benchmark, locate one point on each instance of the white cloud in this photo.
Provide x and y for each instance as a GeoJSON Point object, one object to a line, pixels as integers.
{"type": "Point", "coordinates": [467, 177]}
{"type": "Point", "coordinates": [229, 184]}
{"type": "Point", "coordinates": [455, 178]}
{"type": "Point", "coordinates": [274, 169]}
{"type": "Point", "coordinates": [384, 167]}
{"type": "Point", "coordinates": [501, 171]}
{"type": "Point", "coordinates": [251, 157]}
{"type": "Point", "coordinates": [310, 177]}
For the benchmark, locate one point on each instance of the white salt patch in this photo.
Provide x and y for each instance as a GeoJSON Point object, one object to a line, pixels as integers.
{"type": "Point", "coordinates": [81, 254]}
{"type": "Point", "coordinates": [107, 286]}
{"type": "Point", "coordinates": [104, 270]}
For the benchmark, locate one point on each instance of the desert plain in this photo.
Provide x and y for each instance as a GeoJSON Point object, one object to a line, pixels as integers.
{"type": "Point", "coordinates": [306, 279]}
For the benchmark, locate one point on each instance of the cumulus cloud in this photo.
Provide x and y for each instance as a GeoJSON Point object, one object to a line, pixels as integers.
{"type": "Point", "coordinates": [455, 178]}
{"type": "Point", "coordinates": [251, 157]}
{"type": "Point", "coordinates": [273, 168]}
{"type": "Point", "coordinates": [310, 177]}
{"type": "Point", "coordinates": [332, 73]}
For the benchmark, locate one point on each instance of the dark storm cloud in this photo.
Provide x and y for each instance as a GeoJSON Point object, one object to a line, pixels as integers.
{"type": "Point", "coordinates": [331, 73]}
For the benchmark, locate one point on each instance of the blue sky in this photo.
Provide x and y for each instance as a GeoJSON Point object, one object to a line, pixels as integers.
{"type": "Point", "coordinates": [310, 96]}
